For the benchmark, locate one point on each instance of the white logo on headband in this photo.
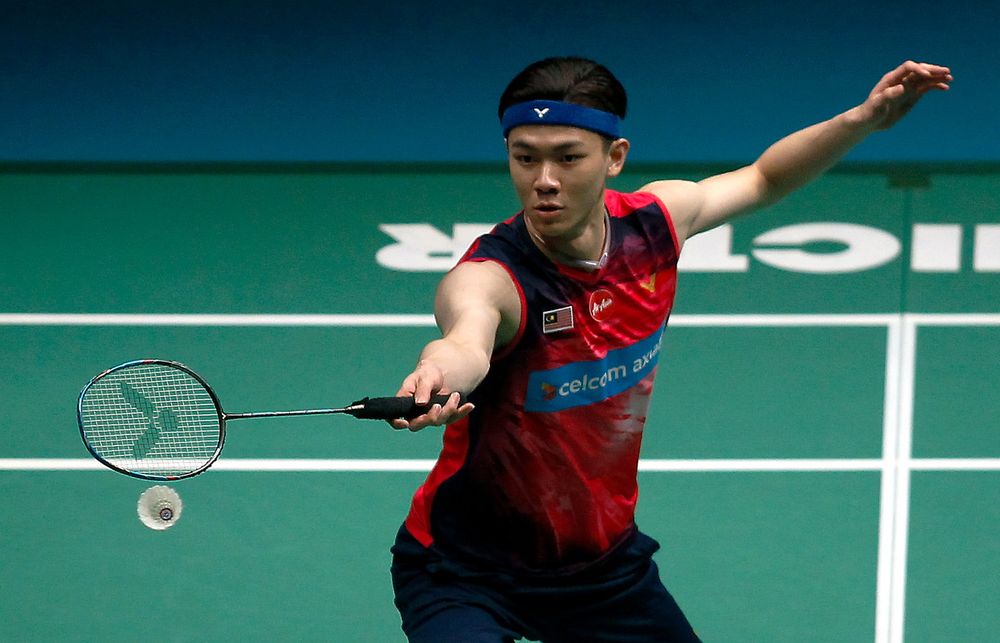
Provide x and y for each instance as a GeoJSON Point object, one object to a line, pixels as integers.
{"type": "Point", "coordinates": [541, 112]}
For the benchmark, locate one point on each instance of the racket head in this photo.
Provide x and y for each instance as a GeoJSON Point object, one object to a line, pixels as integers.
{"type": "Point", "coordinates": [152, 419]}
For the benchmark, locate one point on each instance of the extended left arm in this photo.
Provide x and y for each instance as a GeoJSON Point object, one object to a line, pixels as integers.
{"type": "Point", "coordinates": [799, 157]}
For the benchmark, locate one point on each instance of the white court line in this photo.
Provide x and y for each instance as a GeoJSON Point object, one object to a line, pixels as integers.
{"type": "Point", "coordinates": [788, 465]}
{"type": "Point", "coordinates": [950, 319]}
{"type": "Point", "coordinates": [319, 465]}
{"type": "Point", "coordinates": [904, 453]}
{"type": "Point", "coordinates": [783, 320]}
{"type": "Point", "coordinates": [49, 464]}
{"type": "Point", "coordinates": [887, 492]}
{"type": "Point", "coordinates": [955, 464]}
{"type": "Point", "coordinates": [73, 319]}
{"type": "Point", "coordinates": [652, 465]}
{"type": "Point", "coordinates": [805, 320]}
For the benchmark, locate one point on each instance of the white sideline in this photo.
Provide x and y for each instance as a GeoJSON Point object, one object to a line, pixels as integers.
{"type": "Point", "coordinates": [101, 319]}
{"type": "Point", "coordinates": [651, 465]}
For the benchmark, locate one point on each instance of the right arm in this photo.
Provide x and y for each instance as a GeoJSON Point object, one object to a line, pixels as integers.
{"type": "Point", "coordinates": [478, 310]}
{"type": "Point", "coordinates": [799, 157]}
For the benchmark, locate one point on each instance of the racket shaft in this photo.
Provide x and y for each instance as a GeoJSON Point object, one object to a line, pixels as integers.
{"type": "Point", "coordinates": [276, 414]}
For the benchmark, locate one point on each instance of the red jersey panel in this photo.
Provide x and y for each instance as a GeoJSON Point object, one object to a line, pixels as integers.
{"type": "Point", "coordinates": [542, 475]}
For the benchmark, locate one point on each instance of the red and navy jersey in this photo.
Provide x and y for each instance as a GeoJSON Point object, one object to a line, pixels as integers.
{"type": "Point", "coordinates": [542, 475]}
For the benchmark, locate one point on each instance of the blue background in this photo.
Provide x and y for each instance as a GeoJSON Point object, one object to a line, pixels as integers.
{"type": "Point", "coordinates": [396, 81]}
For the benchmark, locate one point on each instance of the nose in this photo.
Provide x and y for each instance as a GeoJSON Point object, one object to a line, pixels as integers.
{"type": "Point", "coordinates": [547, 180]}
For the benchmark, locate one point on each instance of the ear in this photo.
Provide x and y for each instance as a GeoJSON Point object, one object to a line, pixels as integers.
{"type": "Point", "coordinates": [616, 156]}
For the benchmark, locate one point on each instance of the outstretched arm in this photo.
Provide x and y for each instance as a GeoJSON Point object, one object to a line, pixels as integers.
{"type": "Point", "coordinates": [477, 309]}
{"type": "Point", "coordinates": [799, 157]}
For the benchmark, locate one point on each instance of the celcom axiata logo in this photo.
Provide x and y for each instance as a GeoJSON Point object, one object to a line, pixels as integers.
{"type": "Point", "coordinates": [582, 383]}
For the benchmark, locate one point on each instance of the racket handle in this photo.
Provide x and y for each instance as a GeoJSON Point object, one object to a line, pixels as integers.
{"type": "Point", "coordinates": [390, 408]}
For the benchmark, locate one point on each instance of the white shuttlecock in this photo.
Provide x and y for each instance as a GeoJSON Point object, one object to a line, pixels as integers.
{"type": "Point", "coordinates": [159, 507]}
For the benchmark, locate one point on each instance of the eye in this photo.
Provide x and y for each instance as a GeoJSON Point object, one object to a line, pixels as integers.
{"type": "Point", "coordinates": [571, 158]}
{"type": "Point", "coordinates": [524, 159]}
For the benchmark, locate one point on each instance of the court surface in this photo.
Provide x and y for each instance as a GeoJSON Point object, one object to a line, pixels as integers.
{"type": "Point", "coordinates": [821, 462]}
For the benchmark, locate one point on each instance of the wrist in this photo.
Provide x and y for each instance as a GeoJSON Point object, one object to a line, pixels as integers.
{"type": "Point", "coordinates": [859, 120]}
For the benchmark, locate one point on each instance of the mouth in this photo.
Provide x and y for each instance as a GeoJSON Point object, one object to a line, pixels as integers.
{"type": "Point", "coordinates": [547, 209]}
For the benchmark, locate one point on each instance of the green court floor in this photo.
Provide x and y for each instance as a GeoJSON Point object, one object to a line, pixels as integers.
{"type": "Point", "coordinates": [821, 462]}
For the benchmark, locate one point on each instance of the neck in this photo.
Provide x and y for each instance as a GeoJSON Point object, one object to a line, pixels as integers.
{"type": "Point", "coordinates": [590, 261]}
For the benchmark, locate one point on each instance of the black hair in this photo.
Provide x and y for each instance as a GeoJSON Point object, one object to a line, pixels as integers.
{"type": "Point", "coordinates": [570, 80]}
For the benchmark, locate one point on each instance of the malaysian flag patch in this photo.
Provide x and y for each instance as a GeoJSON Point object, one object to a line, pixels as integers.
{"type": "Point", "coordinates": [556, 320]}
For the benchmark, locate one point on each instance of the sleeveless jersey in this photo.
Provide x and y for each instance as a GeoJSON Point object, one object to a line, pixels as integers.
{"type": "Point", "coordinates": [542, 475]}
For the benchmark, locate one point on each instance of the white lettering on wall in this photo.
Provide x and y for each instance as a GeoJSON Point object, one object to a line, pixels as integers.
{"type": "Point", "coordinates": [986, 252]}
{"type": "Point", "coordinates": [420, 247]}
{"type": "Point", "coordinates": [936, 247]}
{"type": "Point", "coordinates": [712, 251]}
{"type": "Point", "coordinates": [865, 247]}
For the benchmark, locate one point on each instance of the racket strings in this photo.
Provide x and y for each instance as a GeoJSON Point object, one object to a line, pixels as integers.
{"type": "Point", "coordinates": [151, 419]}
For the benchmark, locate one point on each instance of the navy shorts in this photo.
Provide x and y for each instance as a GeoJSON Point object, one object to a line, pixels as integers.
{"type": "Point", "coordinates": [619, 600]}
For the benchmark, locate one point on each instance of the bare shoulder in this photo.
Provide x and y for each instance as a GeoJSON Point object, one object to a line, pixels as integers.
{"type": "Point", "coordinates": [682, 198]}
{"type": "Point", "coordinates": [478, 279]}
{"type": "Point", "coordinates": [481, 290]}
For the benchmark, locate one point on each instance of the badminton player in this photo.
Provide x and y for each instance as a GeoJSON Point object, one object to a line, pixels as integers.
{"type": "Point", "coordinates": [552, 324]}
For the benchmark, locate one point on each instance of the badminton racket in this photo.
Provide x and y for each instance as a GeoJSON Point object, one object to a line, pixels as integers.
{"type": "Point", "coordinates": [159, 420]}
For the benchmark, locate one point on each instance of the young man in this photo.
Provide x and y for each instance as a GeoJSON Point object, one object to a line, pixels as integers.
{"type": "Point", "coordinates": [552, 325]}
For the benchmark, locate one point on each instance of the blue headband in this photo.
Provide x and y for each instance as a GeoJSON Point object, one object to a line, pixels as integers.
{"type": "Point", "coordinates": [552, 112]}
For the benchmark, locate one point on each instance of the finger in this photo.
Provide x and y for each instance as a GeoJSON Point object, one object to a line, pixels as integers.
{"type": "Point", "coordinates": [464, 410]}
{"type": "Point", "coordinates": [436, 415]}
{"type": "Point", "coordinates": [452, 404]}
{"type": "Point", "coordinates": [918, 84]}
{"type": "Point", "coordinates": [412, 424]}
{"type": "Point", "coordinates": [423, 421]}
{"type": "Point", "coordinates": [439, 415]}
{"type": "Point", "coordinates": [449, 412]}
{"type": "Point", "coordinates": [909, 70]}
{"type": "Point", "coordinates": [922, 75]}
{"type": "Point", "coordinates": [929, 69]}
{"type": "Point", "coordinates": [408, 386]}
{"type": "Point", "coordinates": [428, 381]}
{"type": "Point", "coordinates": [405, 390]}
{"type": "Point", "coordinates": [916, 69]}
{"type": "Point", "coordinates": [430, 417]}
{"type": "Point", "coordinates": [454, 409]}
{"type": "Point", "coordinates": [924, 69]}
{"type": "Point", "coordinates": [424, 390]}
{"type": "Point", "coordinates": [894, 92]}
{"type": "Point", "coordinates": [935, 86]}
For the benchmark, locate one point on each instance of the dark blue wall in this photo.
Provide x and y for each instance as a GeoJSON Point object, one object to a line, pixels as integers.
{"type": "Point", "coordinates": [391, 80]}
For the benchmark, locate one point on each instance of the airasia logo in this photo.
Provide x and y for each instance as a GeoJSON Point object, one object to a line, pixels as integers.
{"type": "Point", "coordinates": [601, 304]}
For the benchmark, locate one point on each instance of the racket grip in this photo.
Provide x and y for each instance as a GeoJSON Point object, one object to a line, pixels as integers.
{"type": "Point", "coordinates": [390, 408]}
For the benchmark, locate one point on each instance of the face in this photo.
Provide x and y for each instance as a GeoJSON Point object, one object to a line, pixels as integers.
{"type": "Point", "coordinates": [560, 174]}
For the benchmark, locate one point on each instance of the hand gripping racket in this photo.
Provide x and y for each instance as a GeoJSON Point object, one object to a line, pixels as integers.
{"type": "Point", "coordinates": [158, 420]}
